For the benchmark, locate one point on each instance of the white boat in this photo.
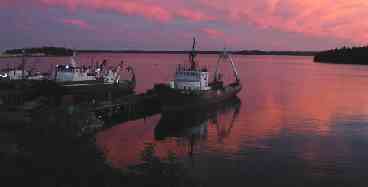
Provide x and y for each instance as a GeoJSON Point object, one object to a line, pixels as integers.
{"type": "Point", "coordinates": [191, 87]}
{"type": "Point", "coordinates": [20, 73]}
{"type": "Point", "coordinates": [81, 79]}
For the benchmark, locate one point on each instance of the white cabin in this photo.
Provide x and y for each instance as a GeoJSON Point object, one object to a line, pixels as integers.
{"type": "Point", "coordinates": [22, 74]}
{"type": "Point", "coordinates": [112, 76]}
{"type": "Point", "coordinates": [17, 74]}
{"type": "Point", "coordinates": [193, 78]}
{"type": "Point", "coordinates": [189, 79]}
{"type": "Point", "coordinates": [67, 73]}
{"type": "Point", "coordinates": [72, 73]}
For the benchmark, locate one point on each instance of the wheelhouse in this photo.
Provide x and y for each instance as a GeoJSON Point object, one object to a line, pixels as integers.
{"type": "Point", "coordinates": [187, 78]}
{"type": "Point", "coordinates": [66, 73]}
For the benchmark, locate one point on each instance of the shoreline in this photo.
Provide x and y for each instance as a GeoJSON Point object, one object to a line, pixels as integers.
{"type": "Point", "coordinates": [341, 63]}
{"type": "Point", "coordinates": [248, 53]}
{"type": "Point", "coordinates": [28, 56]}
{"type": "Point", "coordinates": [243, 52]}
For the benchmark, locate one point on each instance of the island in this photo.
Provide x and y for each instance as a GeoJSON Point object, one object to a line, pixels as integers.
{"type": "Point", "coordinates": [40, 51]}
{"type": "Point", "coordinates": [61, 51]}
{"type": "Point", "coordinates": [344, 55]}
{"type": "Point", "coordinates": [237, 52]}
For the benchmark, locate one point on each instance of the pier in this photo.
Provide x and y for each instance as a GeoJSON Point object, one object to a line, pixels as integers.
{"type": "Point", "coordinates": [113, 110]}
{"type": "Point", "coordinates": [129, 107]}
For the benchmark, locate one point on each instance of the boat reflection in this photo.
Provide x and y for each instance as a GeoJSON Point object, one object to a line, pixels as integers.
{"type": "Point", "coordinates": [191, 127]}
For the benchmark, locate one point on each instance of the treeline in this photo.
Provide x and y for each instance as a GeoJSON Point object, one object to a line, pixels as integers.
{"type": "Point", "coordinates": [243, 52]}
{"type": "Point", "coordinates": [148, 51]}
{"type": "Point", "coordinates": [344, 55]}
{"type": "Point", "coordinates": [60, 51]}
{"type": "Point", "coordinates": [47, 51]}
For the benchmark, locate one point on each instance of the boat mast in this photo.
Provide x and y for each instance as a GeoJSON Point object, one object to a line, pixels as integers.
{"type": "Point", "coordinates": [23, 62]}
{"type": "Point", "coordinates": [224, 56]}
{"type": "Point", "coordinates": [72, 59]}
{"type": "Point", "coordinates": [217, 68]}
{"type": "Point", "coordinates": [192, 55]}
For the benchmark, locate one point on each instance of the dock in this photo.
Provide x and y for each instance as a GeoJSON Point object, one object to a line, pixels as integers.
{"type": "Point", "coordinates": [24, 98]}
{"type": "Point", "coordinates": [129, 107]}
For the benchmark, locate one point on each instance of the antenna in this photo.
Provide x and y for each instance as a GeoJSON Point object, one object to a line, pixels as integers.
{"type": "Point", "coordinates": [225, 45]}
{"type": "Point", "coordinates": [23, 62]}
{"type": "Point", "coordinates": [193, 54]}
{"type": "Point", "coordinates": [72, 59]}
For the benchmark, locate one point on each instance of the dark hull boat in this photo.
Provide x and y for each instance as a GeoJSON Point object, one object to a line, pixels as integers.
{"type": "Point", "coordinates": [175, 100]}
{"type": "Point", "coordinates": [191, 87]}
{"type": "Point", "coordinates": [194, 121]}
{"type": "Point", "coordinates": [98, 87]}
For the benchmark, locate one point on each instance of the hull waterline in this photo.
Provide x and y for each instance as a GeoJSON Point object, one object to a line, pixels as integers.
{"type": "Point", "coordinates": [175, 100]}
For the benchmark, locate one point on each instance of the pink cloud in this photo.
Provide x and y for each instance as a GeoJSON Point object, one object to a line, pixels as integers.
{"type": "Point", "coordinates": [194, 15]}
{"type": "Point", "coordinates": [77, 22]}
{"type": "Point", "coordinates": [322, 18]}
{"type": "Point", "coordinates": [212, 33]}
{"type": "Point", "coordinates": [9, 3]}
{"type": "Point", "coordinates": [159, 11]}
{"type": "Point", "coordinates": [126, 7]}
{"type": "Point", "coordinates": [332, 19]}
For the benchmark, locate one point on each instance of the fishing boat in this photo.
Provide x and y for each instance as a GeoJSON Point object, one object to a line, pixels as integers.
{"type": "Point", "coordinates": [81, 79]}
{"type": "Point", "coordinates": [20, 73]}
{"type": "Point", "coordinates": [18, 85]}
{"type": "Point", "coordinates": [191, 87]}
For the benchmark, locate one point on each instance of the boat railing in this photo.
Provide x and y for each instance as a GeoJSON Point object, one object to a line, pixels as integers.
{"type": "Point", "coordinates": [185, 67]}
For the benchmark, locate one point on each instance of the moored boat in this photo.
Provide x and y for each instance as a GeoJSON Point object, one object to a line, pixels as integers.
{"type": "Point", "coordinates": [18, 84]}
{"type": "Point", "coordinates": [20, 73]}
{"type": "Point", "coordinates": [191, 87]}
{"type": "Point", "coordinates": [85, 80]}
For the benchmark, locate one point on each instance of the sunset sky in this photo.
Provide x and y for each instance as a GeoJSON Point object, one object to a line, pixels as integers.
{"type": "Point", "coordinates": [170, 24]}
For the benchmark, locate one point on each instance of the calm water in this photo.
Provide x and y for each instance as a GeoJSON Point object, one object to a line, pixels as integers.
{"type": "Point", "coordinates": [297, 123]}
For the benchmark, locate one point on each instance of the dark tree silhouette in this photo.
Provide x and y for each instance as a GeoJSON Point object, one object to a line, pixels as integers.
{"type": "Point", "coordinates": [48, 51]}
{"type": "Point", "coordinates": [344, 55]}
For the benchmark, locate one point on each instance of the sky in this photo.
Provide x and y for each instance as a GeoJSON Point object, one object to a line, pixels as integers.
{"type": "Point", "coordinates": [171, 24]}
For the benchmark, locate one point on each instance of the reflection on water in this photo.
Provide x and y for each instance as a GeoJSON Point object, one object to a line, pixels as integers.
{"type": "Point", "coordinates": [300, 124]}
{"type": "Point", "coordinates": [191, 127]}
{"type": "Point", "coordinates": [179, 132]}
